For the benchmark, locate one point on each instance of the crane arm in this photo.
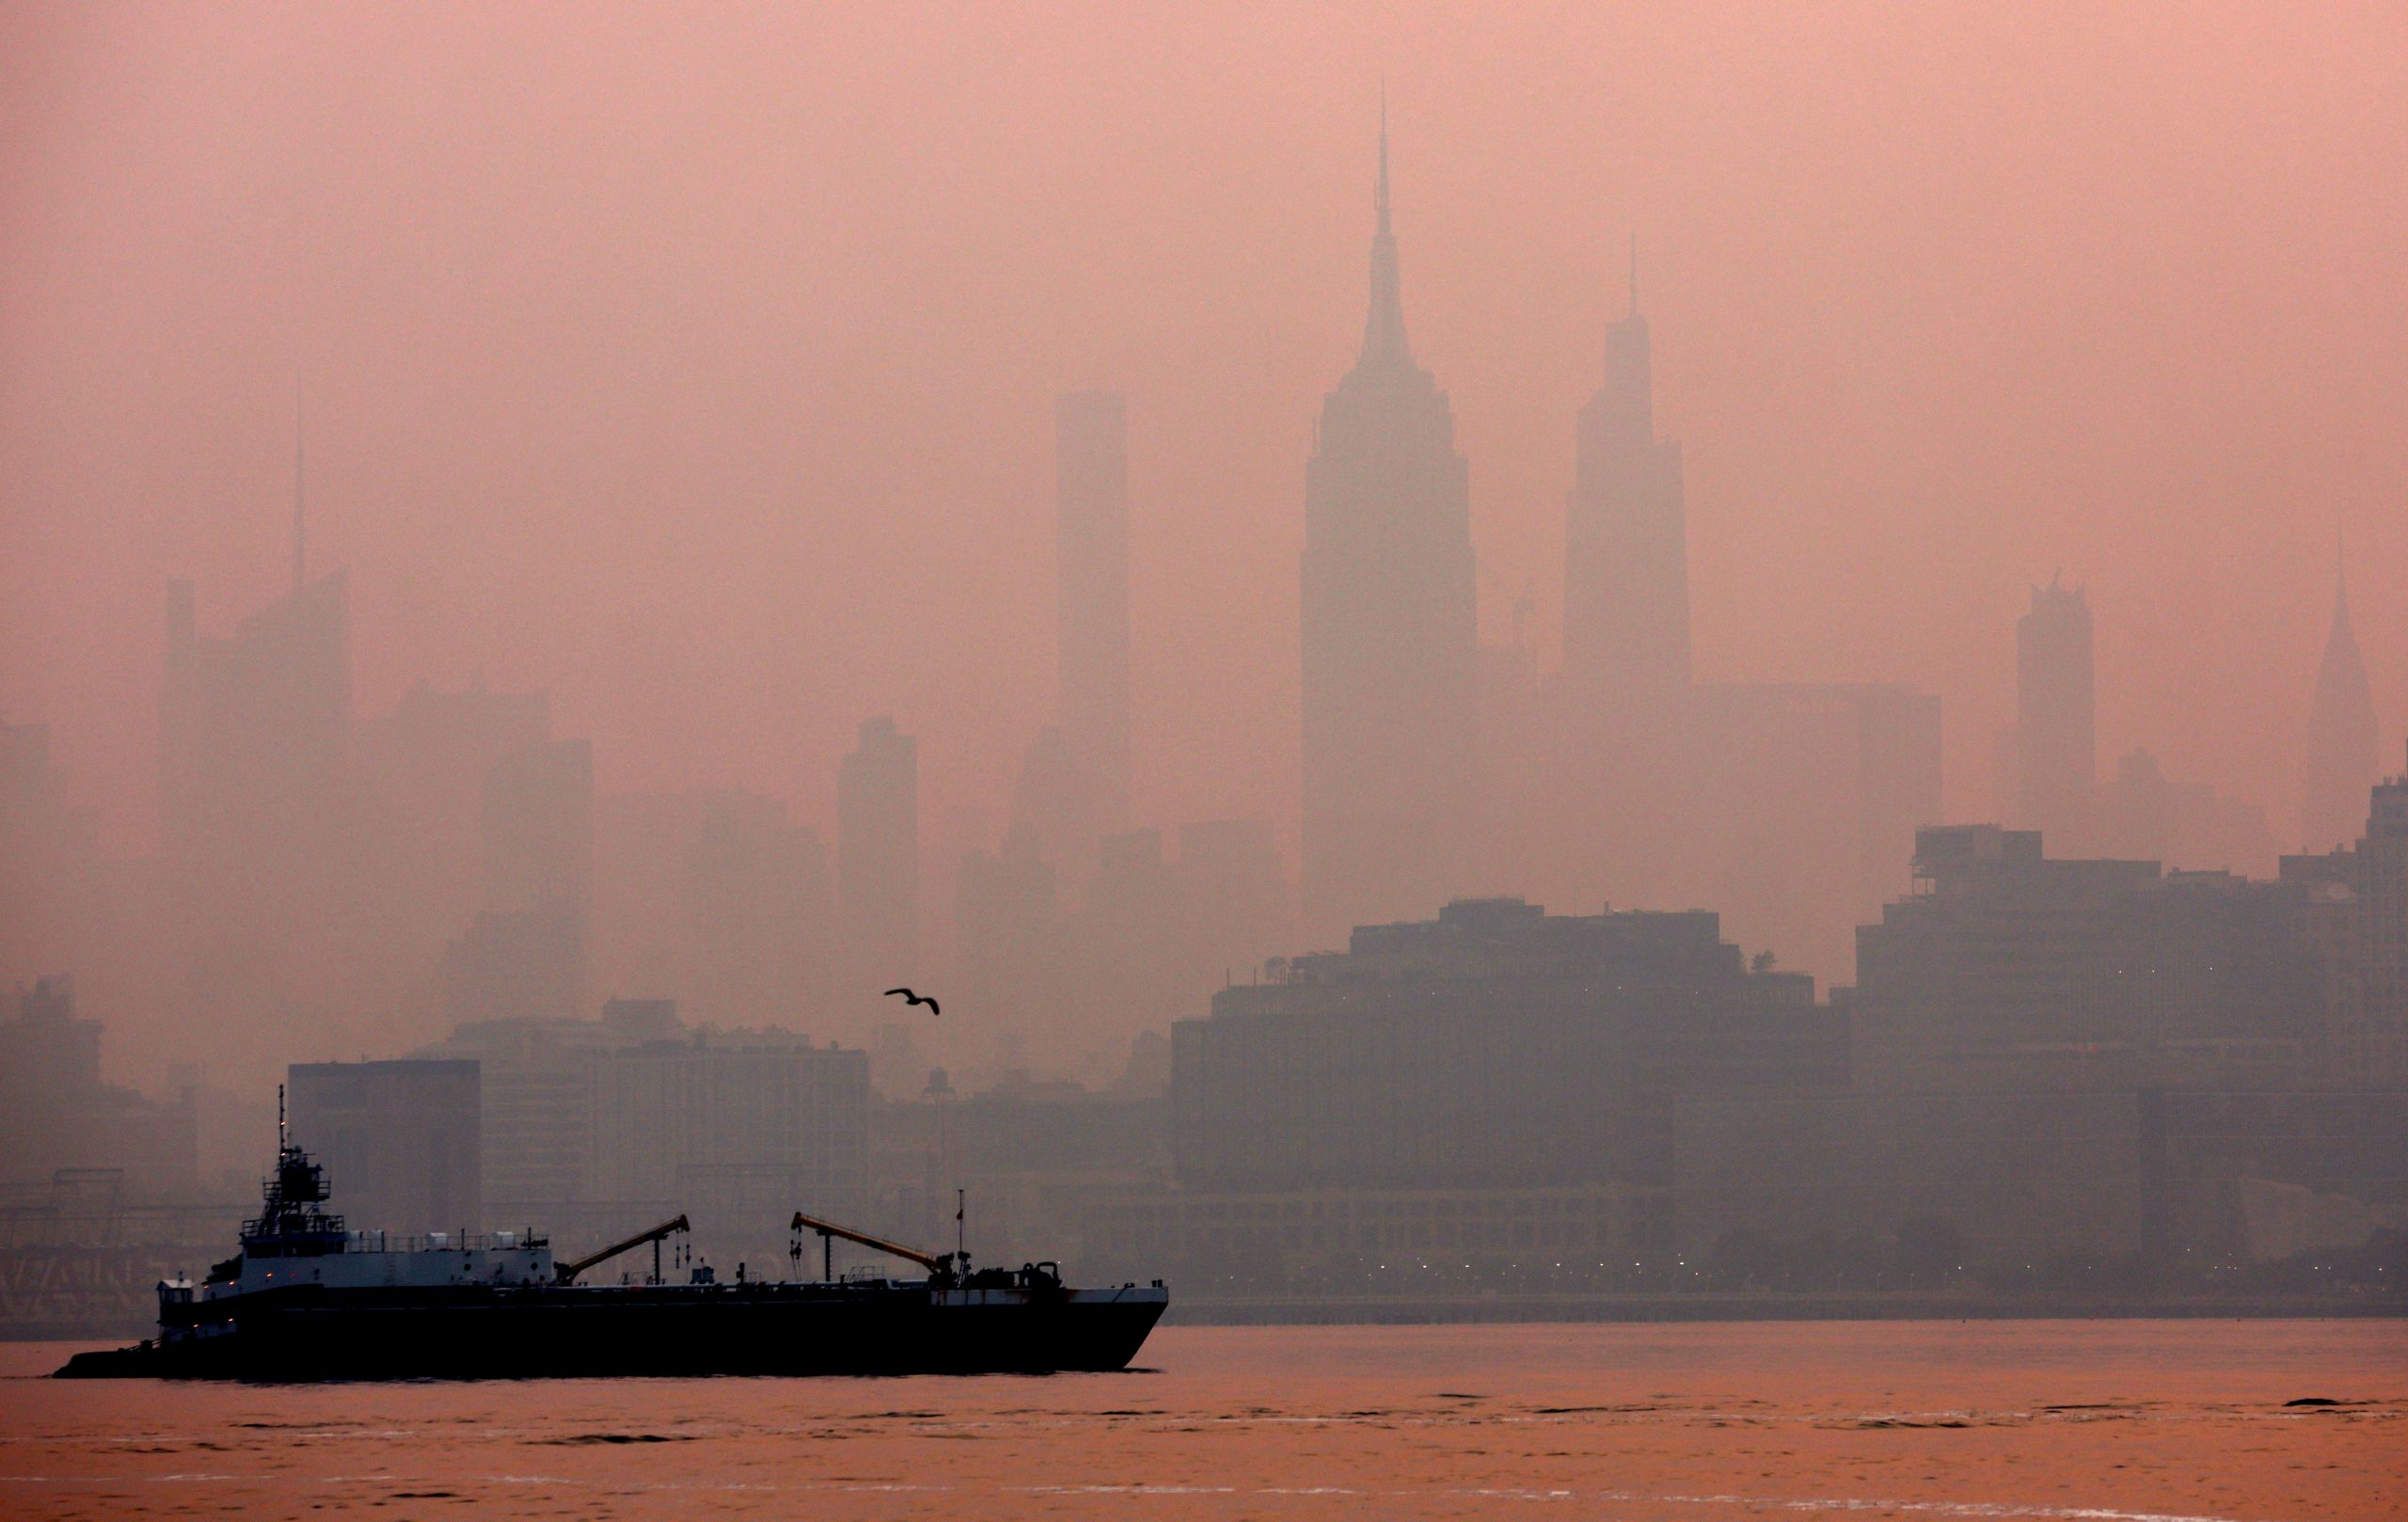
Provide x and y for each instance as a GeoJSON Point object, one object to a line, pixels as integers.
{"type": "Point", "coordinates": [802, 1222]}
{"type": "Point", "coordinates": [567, 1273]}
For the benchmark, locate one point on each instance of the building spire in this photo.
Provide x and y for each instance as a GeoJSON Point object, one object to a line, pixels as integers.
{"type": "Point", "coordinates": [300, 500]}
{"type": "Point", "coordinates": [2344, 743]}
{"type": "Point", "coordinates": [1383, 324]}
{"type": "Point", "coordinates": [1380, 197]}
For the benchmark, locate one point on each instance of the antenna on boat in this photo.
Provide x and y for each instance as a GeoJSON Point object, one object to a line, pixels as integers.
{"type": "Point", "coordinates": [282, 1137]}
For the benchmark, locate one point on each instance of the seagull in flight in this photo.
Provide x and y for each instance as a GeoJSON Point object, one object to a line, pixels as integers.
{"type": "Point", "coordinates": [909, 997]}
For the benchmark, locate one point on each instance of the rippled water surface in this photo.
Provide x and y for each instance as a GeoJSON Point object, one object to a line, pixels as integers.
{"type": "Point", "coordinates": [2097, 1421]}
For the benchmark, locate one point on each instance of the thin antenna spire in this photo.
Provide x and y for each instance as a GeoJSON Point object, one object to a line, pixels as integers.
{"type": "Point", "coordinates": [1384, 323]}
{"type": "Point", "coordinates": [300, 497]}
{"type": "Point", "coordinates": [282, 1136]}
{"type": "Point", "coordinates": [1380, 198]}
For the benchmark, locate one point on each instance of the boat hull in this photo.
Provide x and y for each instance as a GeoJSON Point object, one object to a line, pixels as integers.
{"type": "Point", "coordinates": [308, 1333]}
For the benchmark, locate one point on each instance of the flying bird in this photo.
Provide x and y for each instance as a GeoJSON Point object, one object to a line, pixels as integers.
{"type": "Point", "coordinates": [909, 997]}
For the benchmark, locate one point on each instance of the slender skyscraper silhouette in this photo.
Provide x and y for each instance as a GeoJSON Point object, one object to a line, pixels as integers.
{"type": "Point", "coordinates": [1389, 638]}
{"type": "Point", "coordinates": [1091, 551]}
{"type": "Point", "coordinates": [2344, 743]}
{"type": "Point", "coordinates": [2056, 719]}
{"type": "Point", "coordinates": [1626, 560]}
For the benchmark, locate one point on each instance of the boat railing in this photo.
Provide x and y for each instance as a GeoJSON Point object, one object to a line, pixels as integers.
{"type": "Point", "coordinates": [376, 1240]}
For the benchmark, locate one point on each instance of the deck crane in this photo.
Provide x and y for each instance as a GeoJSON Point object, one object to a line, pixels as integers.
{"type": "Point", "coordinates": [567, 1273]}
{"type": "Point", "coordinates": [829, 1230]}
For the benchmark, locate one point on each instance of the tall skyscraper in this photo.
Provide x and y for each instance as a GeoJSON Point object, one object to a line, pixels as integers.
{"type": "Point", "coordinates": [523, 956]}
{"type": "Point", "coordinates": [260, 890]}
{"type": "Point", "coordinates": [2344, 744]}
{"type": "Point", "coordinates": [1389, 637]}
{"type": "Point", "coordinates": [878, 860]}
{"type": "Point", "coordinates": [1627, 559]}
{"type": "Point", "coordinates": [1091, 555]}
{"type": "Point", "coordinates": [2056, 717]}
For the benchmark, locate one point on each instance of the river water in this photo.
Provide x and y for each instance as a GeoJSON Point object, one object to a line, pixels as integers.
{"type": "Point", "coordinates": [2096, 1421]}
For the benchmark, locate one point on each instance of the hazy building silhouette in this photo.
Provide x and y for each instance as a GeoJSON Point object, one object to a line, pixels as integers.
{"type": "Point", "coordinates": [1497, 1046]}
{"type": "Point", "coordinates": [401, 1141]}
{"type": "Point", "coordinates": [2143, 814]}
{"type": "Point", "coordinates": [1796, 807]}
{"type": "Point", "coordinates": [2353, 908]}
{"type": "Point", "coordinates": [741, 1128]}
{"type": "Point", "coordinates": [1009, 944]}
{"type": "Point", "coordinates": [536, 1097]}
{"type": "Point", "coordinates": [718, 896]}
{"type": "Point", "coordinates": [2009, 970]}
{"type": "Point", "coordinates": [1626, 560]}
{"type": "Point", "coordinates": [254, 727]}
{"type": "Point", "coordinates": [254, 745]}
{"type": "Point", "coordinates": [877, 861]}
{"type": "Point", "coordinates": [2344, 745]}
{"type": "Point", "coordinates": [758, 915]}
{"type": "Point", "coordinates": [1389, 635]}
{"type": "Point", "coordinates": [1091, 599]}
{"type": "Point", "coordinates": [524, 955]}
{"type": "Point", "coordinates": [1131, 947]}
{"type": "Point", "coordinates": [1239, 909]}
{"type": "Point", "coordinates": [1053, 806]}
{"type": "Point", "coordinates": [422, 770]}
{"type": "Point", "coordinates": [49, 859]}
{"type": "Point", "coordinates": [2056, 714]}
{"type": "Point", "coordinates": [57, 1114]}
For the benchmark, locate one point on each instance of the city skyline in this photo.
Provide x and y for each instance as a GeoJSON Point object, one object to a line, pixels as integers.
{"type": "Point", "coordinates": [485, 565]}
{"type": "Point", "coordinates": [1627, 773]}
{"type": "Point", "coordinates": [1369, 680]}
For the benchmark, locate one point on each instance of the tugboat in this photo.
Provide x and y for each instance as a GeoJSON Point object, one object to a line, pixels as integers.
{"type": "Point", "coordinates": [307, 1299]}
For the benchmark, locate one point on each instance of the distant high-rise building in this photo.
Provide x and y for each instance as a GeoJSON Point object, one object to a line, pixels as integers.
{"type": "Point", "coordinates": [57, 1114]}
{"type": "Point", "coordinates": [755, 901]}
{"type": "Point", "coordinates": [878, 859]}
{"type": "Point", "coordinates": [400, 1140]}
{"type": "Point", "coordinates": [2056, 715]}
{"type": "Point", "coordinates": [422, 772]}
{"type": "Point", "coordinates": [1389, 635]}
{"type": "Point", "coordinates": [525, 954]}
{"type": "Point", "coordinates": [254, 727]}
{"type": "Point", "coordinates": [1091, 596]}
{"type": "Point", "coordinates": [1626, 563]}
{"type": "Point", "coordinates": [49, 853]}
{"type": "Point", "coordinates": [539, 829]}
{"type": "Point", "coordinates": [2344, 746]}
{"type": "Point", "coordinates": [260, 886]}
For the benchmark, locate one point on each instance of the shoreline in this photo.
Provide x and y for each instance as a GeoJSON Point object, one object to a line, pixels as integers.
{"type": "Point", "coordinates": [1407, 1311]}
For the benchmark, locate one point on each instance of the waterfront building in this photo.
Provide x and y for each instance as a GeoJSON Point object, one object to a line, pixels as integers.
{"type": "Point", "coordinates": [1495, 1047]}
{"type": "Point", "coordinates": [402, 1140]}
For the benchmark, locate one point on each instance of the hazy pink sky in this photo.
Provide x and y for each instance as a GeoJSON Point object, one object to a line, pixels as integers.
{"type": "Point", "coordinates": [697, 363]}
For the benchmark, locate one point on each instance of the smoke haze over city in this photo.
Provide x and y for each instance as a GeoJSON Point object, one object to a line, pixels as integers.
{"type": "Point", "coordinates": [1546, 611]}
{"type": "Point", "coordinates": [699, 371]}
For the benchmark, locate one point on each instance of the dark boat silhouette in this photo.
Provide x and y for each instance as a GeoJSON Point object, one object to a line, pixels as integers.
{"type": "Point", "coordinates": [307, 1299]}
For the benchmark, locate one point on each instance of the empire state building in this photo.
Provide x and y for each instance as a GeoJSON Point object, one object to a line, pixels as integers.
{"type": "Point", "coordinates": [1389, 637]}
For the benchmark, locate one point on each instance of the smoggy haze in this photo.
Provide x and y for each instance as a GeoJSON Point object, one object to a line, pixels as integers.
{"type": "Point", "coordinates": [699, 367]}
